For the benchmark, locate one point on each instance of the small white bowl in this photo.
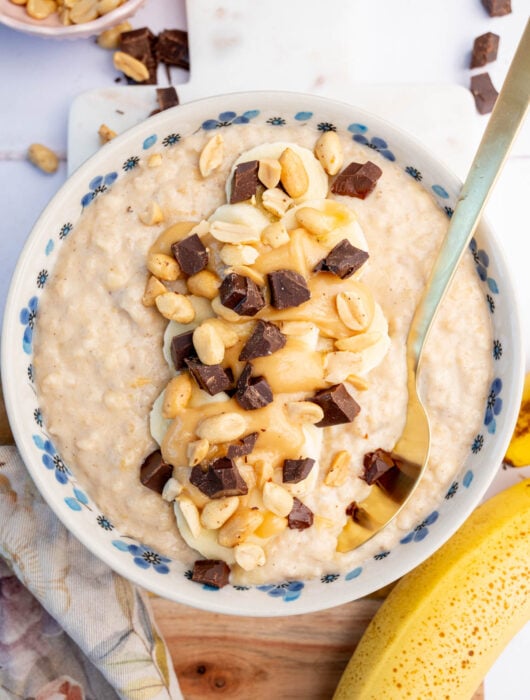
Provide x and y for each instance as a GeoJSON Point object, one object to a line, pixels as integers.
{"type": "Point", "coordinates": [16, 17]}
{"type": "Point", "coordinates": [60, 488]}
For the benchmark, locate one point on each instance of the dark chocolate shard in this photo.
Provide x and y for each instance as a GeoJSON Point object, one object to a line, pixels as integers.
{"type": "Point", "coordinates": [296, 470]}
{"type": "Point", "coordinates": [357, 180]}
{"type": "Point", "coordinates": [243, 447]}
{"type": "Point", "coordinates": [221, 479]}
{"type": "Point", "coordinates": [182, 348]}
{"type": "Point", "coordinates": [497, 8]}
{"type": "Point", "coordinates": [210, 378]}
{"type": "Point", "coordinates": [376, 464]}
{"type": "Point", "coordinates": [484, 93]}
{"type": "Point", "coordinates": [288, 288]}
{"type": "Point", "coordinates": [300, 517]}
{"type": "Point", "coordinates": [265, 339]}
{"type": "Point", "coordinates": [337, 404]}
{"type": "Point", "coordinates": [172, 48]}
{"type": "Point", "coordinates": [211, 572]}
{"type": "Point", "coordinates": [485, 48]}
{"type": "Point", "coordinates": [244, 181]}
{"type": "Point", "coordinates": [190, 254]}
{"type": "Point", "coordinates": [167, 97]}
{"type": "Point", "coordinates": [155, 472]}
{"type": "Point", "coordinates": [140, 43]}
{"type": "Point", "coordinates": [252, 392]}
{"type": "Point", "coordinates": [241, 294]}
{"type": "Point", "coordinates": [343, 260]}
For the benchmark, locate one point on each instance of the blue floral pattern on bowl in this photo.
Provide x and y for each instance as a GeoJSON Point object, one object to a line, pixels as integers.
{"type": "Point", "coordinates": [70, 496]}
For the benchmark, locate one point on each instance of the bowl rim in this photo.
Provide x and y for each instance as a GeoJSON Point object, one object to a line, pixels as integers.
{"type": "Point", "coordinates": [216, 603]}
{"type": "Point", "coordinates": [73, 31]}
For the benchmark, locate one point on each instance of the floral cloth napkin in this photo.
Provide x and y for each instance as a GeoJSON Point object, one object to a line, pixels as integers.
{"type": "Point", "coordinates": [70, 628]}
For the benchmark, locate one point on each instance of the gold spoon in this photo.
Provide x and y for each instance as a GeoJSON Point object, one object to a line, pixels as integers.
{"type": "Point", "coordinates": [389, 494]}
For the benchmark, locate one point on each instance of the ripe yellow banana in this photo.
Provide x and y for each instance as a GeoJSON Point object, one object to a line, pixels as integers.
{"type": "Point", "coordinates": [445, 623]}
{"type": "Point", "coordinates": [518, 454]}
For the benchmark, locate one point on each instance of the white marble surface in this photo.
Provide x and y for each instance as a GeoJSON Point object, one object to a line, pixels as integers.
{"type": "Point", "coordinates": [347, 50]}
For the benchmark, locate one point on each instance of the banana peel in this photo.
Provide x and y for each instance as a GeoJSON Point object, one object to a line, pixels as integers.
{"type": "Point", "coordinates": [518, 454]}
{"type": "Point", "coordinates": [443, 625]}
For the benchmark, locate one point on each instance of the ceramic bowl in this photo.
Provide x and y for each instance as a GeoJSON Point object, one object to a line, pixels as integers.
{"type": "Point", "coordinates": [59, 485]}
{"type": "Point", "coordinates": [16, 17]}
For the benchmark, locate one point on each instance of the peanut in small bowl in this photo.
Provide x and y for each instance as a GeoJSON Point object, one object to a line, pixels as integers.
{"type": "Point", "coordinates": [56, 20]}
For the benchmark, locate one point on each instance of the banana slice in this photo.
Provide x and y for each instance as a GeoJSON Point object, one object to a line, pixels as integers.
{"type": "Point", "coordinates": [158, 425]}
{"type": "Point", "coordinates": [318, 180]}
{"type": "Point", "coordinates": [243, 214]}
{"type": "Point", "coordinates": [518, 454]}
{"type": "Point", "coordinates": [203, 310]}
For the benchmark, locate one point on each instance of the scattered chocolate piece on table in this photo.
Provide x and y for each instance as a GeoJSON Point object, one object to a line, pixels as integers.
{"type": "Point", "coordinates": [357, 180]}
{"type": "Point", "coordinates": [300, 517]}
{"type": "Point", "coordinates": [211, 572]}
{"type": "Point", "coordinates": [288, 288]}
{"type": "Point", "coordinates": [343, 260]}
{"type": "Point", "coordinates": [167, 97]}
{"type": "Point", "coordinates": [295, 470]}
{"type": "Point", "coordinates": [210, 378]}
{"type": "Point", "coordinates": [221, 479]}
{"type": "Point", "coordinates": [190, 254]}
{"type": "Point", "coordinates": [172, 48]}
{"type": "Point", "coordinates": [265, 339]}
{"type": "Point", "coordinates": [245, 181]}
{"type": "Point", "coordinates": [241, 294]}
{"type": "Point", "coordinates": [182, 348]}
{"type": "Point", "coordinates": [337, 404]}
{"type": "Point", "coordinates": [484, 92]}
{"type": "Point", "coordinates": [252, 392]}
{"type": "Point", "coordinates": [485, 48]}
{"type": "Point", "coordinates": [154, 472]}
{"type": "Point", "coordinates": [376, 464]}
{"type": "Point", "coordinates": [497, 8]}
{"type": "Point", "coordinates": [140, 44]}
{"type": "Point", "coordinates": [243, 447]}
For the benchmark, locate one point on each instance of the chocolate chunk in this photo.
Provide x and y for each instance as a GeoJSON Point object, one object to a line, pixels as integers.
{"type": "Point", "coordinates": [190, 254]}
{"type": "Point", "coordinates": [210, 378]}
{"type": "Point", "coordinates": [252, 392]}
{"type": "Point", "coordinates": [288, 288]}
{"type": "Point", "coordinates": [359, 515]}
{"type": "Point", "coordinates": [182, 348]}
{"type": "Point", "coordinates": [245, 181]}
{"type": "Point", "coordinates": [141, 43]}
{"type": "Point", "coordinates": [343, 260]}
{"type": "Point", "coordinates": [300, 517]}
{"type": "Point", "coordinates": [154, 472]}
{"type": "Point", "coordinates": [167, 97]}
{"type": "Point", "coordinates": [497, 8]}
{"type": "Point", "coordinates": [295, 470]}
{"type": "Point", "coordinates": [211, 572]}
{"type": "Point", "coordinates": [376, 464]}
{"type": "Point", "coordinates": [485, 49]}
{"type": "Point", "coordinates": [357, 180]}
{"type": "Point", "coordinates": [242, 447]}
{"type": "Point", "coordinates": [172, 48]}
{"type": "Point", "coordinates": [220, 479]}
{"type": "Point", "coordinates": [241, 294]}
{"type": "Point", "coordinates": [337, 404]}
{"type": "Point", "coordinates": [484, 92]}
{"type": "Point", "coordinates": [265, 339]}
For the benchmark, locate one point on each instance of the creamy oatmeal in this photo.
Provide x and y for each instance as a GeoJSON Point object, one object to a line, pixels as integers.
{"type": "Point", "coordinates": [289, 360]}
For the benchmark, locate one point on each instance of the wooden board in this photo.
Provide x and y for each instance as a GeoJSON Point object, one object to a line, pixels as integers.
{"type": "Point", "coordinates": [284, 658]}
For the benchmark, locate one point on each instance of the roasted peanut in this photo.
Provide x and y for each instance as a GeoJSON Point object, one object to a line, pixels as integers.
{"type": "Point", "coordinates": [249, 556]}
{"type": "Point", "coordinates": [275, 235]}
{"type": "Point", "coordinates": [173, 234]}
{"type": "Point", "coordinates": [276, 201]}
{"type": "Point", "coordinates": [154, 160]}
{"type": "Point", "coordinates": [238, 254]}
{"type": "Point", "coordinates": [238, 527]}
{"type": "Point", "coordinates": [211, 155]}
{"type": "Point", "coordinates": [106, 134]}
{"type": "Point", "coordinates": [208, 344]}
{"type": "Point", "coordinates": [152, 214]}
{"type": "Point", "coordinates": [356, 308]}
{"type": "Point", "coordinates": [358, 343]}
{"type": "Point", "coordinates": [171, 489]}
{"type": "Point", "coordinates": [175, 307]}
{"type": "Point", "coordinates": [196, 451]}
{"type": "Point", "coordinates": [294, 176]}
{"type": "Point", "coordinates": [43, 157]}
{"type": "Point", "coordinates": [110, 38]}
{"type": "Point", "coordinates": [304, 412]}
{"type": "Point", "coordinates": [328, 150]}
{"type": "Point", "coordinates": [40, 9]}
{"type": "Point", "coordinates": [204, 284]}
{"type": "Point", "coordinates": [176, 395]}
{"type": "Point", "coordinates": [105, 6]}
{"type": "Point", "coordinates": [190, 512]}
{"type": "Point", "coordinates": [83, 11]}
{"type": "Point", "coordinates": [215, 513]}
{"type": "Point", "coordinates": [153, 289]}
{"type": "Point", "coordinates": [227, 232]}
{"type": "Point", "coordinates": [269, 172]}
{"type": "Point", "coordinates": [315, 221]}
{"type": "Point", "coordinates": [246, 271]}
{"type": "Point", "coordinates": [277, 499]}
{"type": "Point", "coordinates": [163, 266]}
{"type": "Point", "coordinates": [222, 427]}
{"type": "Point", "coordinates": [132, 67]}
{"type": "Point", "coordinates": [338, 469]}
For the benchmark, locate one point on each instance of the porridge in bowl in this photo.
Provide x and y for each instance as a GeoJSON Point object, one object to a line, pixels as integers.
{"type": "Point", "coordinates": [220, 352]}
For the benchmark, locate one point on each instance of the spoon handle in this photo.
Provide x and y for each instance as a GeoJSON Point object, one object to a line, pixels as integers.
{"type": "Point", "coordinates": [502, 128]}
